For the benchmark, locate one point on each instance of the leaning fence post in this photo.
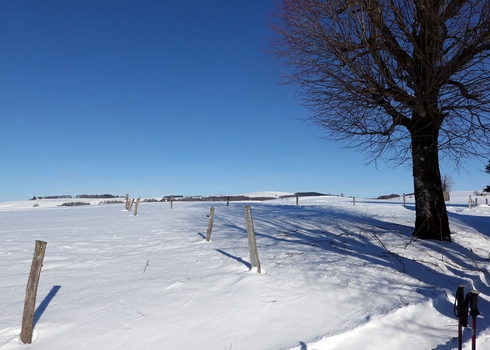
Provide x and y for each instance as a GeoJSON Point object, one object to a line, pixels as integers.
{"type": "Point", "coordinates": [31, 292]}
{"type": "Point", "coordinates": [136, 206]}
{"type": "Point", "coordinates": [210, 227]}
{"type": "Point", "coordinates": [252, 243]}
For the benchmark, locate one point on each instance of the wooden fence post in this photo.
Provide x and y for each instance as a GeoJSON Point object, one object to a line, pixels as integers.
{"type": "Point", "coordinates": [127, 201]}
{"type": "Point", "coordinates": [469, 202]}
{"type": "Point", "coordinates": [404, 200]}
{"type": "Point", "coordinates": [136, 206]}
{"type": "Point", "coordinates": [31, 292]}
{"type": "Point", "coordinates": [228, 201]}
{"type": "Point", "coordinates": [297, 199]}
{"type": "Point", "coordinates": [210, 227]}
{"type": "Point", "coordinates": [446, 195]}
{"type": "Point", "coordinates": [252, 243]}
{"type": "Point", "coordinates": [131, 204]}
{"type": "Point", "coordinates": [171, 202]}
{"type": "Point", "coordinates": [354, 200]}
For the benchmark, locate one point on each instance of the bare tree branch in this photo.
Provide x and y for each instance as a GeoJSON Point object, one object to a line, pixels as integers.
{"type": "Point", "coordinates": [401, 80]}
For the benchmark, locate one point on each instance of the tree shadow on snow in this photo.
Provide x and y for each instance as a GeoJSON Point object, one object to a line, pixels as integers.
{"type": "Point", "coordinates": [44, 304]}
{"type": "Point", "coordinates": [479, 223]}
{"type": "Point", "coordinates": [318, 228]}
{"type": "Point", "coordinates": [350, 233]}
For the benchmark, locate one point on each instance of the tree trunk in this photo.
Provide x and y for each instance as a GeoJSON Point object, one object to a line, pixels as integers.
{"type": "Point", "coordinates": [431, 220]}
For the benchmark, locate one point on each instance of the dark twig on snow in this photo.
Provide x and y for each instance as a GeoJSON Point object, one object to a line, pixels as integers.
{"type": "Point", "coordinates": [390, 252]}
{"type": "Point", "coordinates": [474, 261]}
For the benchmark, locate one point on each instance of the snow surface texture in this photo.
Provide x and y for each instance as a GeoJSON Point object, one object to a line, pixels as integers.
{"type": "Point", "coordinates": [335, 276]}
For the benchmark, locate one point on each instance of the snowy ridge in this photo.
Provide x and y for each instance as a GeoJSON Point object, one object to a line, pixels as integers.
{"type": "Point", "coordinates": [272, 194]}
{"type": "Point", "coordinates": [153, 282]}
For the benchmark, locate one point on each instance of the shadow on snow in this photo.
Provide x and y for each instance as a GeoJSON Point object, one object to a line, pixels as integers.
{"type": "Point", "coordinates": [350, 233]}
{"type": "Point", "coordinates": [44, 304]}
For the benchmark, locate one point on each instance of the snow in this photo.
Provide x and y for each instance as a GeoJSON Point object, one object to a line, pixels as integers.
{"type": "Point", "coordinates": [335, 275]}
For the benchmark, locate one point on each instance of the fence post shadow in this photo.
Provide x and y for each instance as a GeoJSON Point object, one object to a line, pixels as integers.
{"type": "Point", "coordinates": [200, 234]}
{"type": "Point", "coordinates": [44, 304]}
{"type": "Point", "coordinates": [240, 260]}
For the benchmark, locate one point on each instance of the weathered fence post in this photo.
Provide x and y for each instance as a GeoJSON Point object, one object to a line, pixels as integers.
{"type": "Point", "coordinates": [127, 201]}
{"type": "Point", "coordinates": [228, 201]}
{"type": "Point", "coordinates": [252, 243]}
{"type": "Point", "coordinates": [404, 200]}
{"type": "Point", "coordinates": [171, 202]}
{"type": "Point", "coordinates": [446, 195]}
{"type": "Point", "coordinates": [210, 227]}
{"type": "Point", "coordinates": [469, 202]}
{"type": "Point", "coordinates": [31, 292]}
{"type": "Point", "coordinates": [297, 199]}
{"type": "Point", "coordinates": [131, 204]}
{"type": "Point", "coordinates": [354, 200]}
{"type": "Point", "coordinates": [136, 206]}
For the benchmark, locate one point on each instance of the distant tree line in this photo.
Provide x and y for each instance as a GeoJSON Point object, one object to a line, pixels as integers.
{"type": "Point", "coordinates": [389, 196]}
{"type": "Point", "coordinates": [104, 196]}
{"type": "Point", "coordinates": [97, 196]}
{"type": "Point", "coordinates": [174, 196]}
{"type": "Point", "coordinates": [73, 204]}
{"type": "Point", "coordinates": [51, 197]}
{"type": "Point", "coordinates": [309, 194]}
{"type": "Point", "coordinates": [214, 198]}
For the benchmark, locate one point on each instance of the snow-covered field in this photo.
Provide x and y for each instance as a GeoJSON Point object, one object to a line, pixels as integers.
{"type": "Point", "coordinates": [335, 276]}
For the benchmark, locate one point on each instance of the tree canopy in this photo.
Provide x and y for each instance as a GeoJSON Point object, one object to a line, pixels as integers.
{"type": "Point", "coordinates": [403, 80]}
{"type": "Point", "coordinates": [371, 70]}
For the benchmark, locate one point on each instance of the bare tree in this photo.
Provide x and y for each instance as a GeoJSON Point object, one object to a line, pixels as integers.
{"type": "Point", "coordinates": [403, 80]}
{"type": "Point", "coordinates": [447, 183]}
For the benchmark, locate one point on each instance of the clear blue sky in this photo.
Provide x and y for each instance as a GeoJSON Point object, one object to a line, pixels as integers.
{"type": "Point", "coordinates": [161, 97]}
